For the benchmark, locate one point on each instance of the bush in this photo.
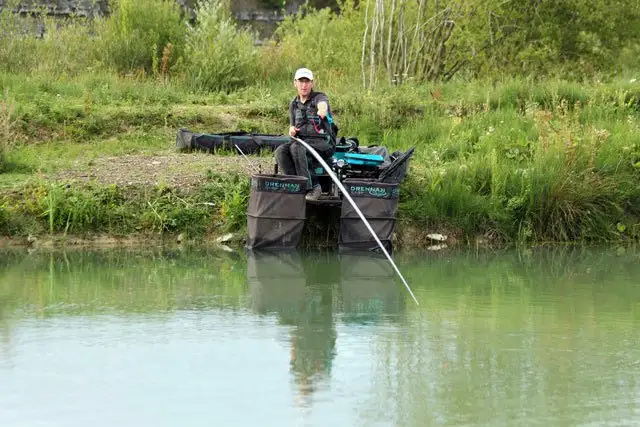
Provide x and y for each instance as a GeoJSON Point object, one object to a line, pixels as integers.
{"type": "Point", "coordinates": [218, 55]}
{"type": "Point", "coordinates": [7, 126]}
{"type": "Point", "coordinates": [66, 49]}
{"type": "Point", "coordinates": [12, 40]}
{"type": "Point", "coordinates": [322, 40]}
{"type": "Point", "coordinates": [143, 35]}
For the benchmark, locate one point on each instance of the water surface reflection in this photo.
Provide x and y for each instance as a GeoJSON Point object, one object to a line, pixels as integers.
{"type": "Point", "coordinates": [198, 337]}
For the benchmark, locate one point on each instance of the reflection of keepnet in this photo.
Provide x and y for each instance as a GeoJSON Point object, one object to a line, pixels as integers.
{"type": "Point", "coordinates": [300, 295]}
{"type": "Point", "coordinates": [277, 283]}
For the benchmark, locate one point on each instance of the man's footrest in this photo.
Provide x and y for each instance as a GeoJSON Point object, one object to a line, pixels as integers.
{"type": "Point", "coordinates": [326, 200]}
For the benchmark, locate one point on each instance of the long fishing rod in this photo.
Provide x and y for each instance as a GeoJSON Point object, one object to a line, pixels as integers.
{"type": "Point", "coordinates": [248, 161]}
{"type": "Point", "coordinates": [346, 194]}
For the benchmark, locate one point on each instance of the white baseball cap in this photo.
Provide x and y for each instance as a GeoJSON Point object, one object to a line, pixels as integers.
{"type": "Point", "coordinates": [303, 73]}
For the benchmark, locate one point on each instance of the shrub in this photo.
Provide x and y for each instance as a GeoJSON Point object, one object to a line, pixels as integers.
{"type": "Point", "coordinates": [218, 55]}
{"type": "Point", "coordinates": [7, 126]}
{"type": "Point", "coordinates": [139, 34]}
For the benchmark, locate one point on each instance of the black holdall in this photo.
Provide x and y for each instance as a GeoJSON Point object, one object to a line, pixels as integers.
{"type": "Point", "coordinates": [248, 143]}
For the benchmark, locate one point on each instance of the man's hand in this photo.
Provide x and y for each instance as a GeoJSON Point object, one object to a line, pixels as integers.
{"type": "Point", "coordinates": [293, 130]}
{"type": "Point", "coordinates": [322, 109]}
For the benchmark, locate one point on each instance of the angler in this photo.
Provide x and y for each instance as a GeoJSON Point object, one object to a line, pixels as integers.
{"type": "Point", "coordinates": [310, 118]}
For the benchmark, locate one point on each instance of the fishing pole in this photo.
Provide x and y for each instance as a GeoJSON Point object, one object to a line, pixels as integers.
{"type": "Point", "coordinates": [248, 161]}
{"type": "Point", "coordinates": [366, 223]}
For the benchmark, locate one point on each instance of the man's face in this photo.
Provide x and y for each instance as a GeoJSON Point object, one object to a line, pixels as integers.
{"type": "Point", "coordinates": [303, 86]}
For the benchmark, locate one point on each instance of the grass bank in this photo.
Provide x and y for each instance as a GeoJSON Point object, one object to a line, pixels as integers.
{"type": "Point", "coordinates": [89, 114]}
{"type": "Point", "coordinates": [510, 161]}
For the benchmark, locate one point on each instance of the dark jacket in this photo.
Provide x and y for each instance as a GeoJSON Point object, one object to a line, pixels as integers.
{"type": "Point", "coordinates": [304, 116]}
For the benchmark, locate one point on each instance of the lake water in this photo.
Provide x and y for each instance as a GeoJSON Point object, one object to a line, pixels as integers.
{"type": "Point", "coordinates": [542, 337]}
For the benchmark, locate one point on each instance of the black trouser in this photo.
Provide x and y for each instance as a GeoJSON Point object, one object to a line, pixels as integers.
{"type": "Point", "coordinates": [292, 158]}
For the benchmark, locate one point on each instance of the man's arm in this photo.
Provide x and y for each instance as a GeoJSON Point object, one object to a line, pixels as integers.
{"type": "Point", "coordinates": [292, 117]}
{"type": "Point", "coordinates": [292, 121]}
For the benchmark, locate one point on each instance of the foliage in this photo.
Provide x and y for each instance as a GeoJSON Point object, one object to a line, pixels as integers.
{"type": "Point", "coordinates": [417, 40]}
{"type": "Point", "coordinates": [65, 48]}
{"type": "Point", "coordinates": [231, 194]}
{"type": "Point", "coordinates": [7, 129]}
{"type": "Point", "coordinates": [58, 208]}
{"type": "Point", "coordinates": [323, 40]}
{"type": "Point", "coordinates": [577, 36]}
{"type": "Point", "coordinates": [528, 173]}
{"type": "Point", "coordinates": [218, 55]}
{"type": "Point", "coordinates": [141, 36]}
{"type": "Point", "coordinates": [523, 158]}
{"type": "Point", "coordinates": [377, 42]}
{"type": "Point", "coordinates": [514, 160]}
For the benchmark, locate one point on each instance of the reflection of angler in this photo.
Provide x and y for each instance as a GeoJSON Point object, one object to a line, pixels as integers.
{"type": "Point", "coordinates": [368, 291]}
{"type": "Point", "coordinates": [313, 341]}
{"type": "Point", "coordinates": [278, 284]}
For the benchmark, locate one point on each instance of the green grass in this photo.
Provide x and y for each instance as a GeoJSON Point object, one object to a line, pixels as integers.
{"type": "Point", "coordinates": [513, 159]}
{"type": "Point", "coordinates": [44, 207]}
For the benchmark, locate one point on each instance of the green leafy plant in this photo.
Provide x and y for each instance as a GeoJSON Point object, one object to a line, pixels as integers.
{"type": "Point", "coordinates": [218, 55]}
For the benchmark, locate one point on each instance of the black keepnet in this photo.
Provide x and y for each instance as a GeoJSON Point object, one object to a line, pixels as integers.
{"type": "Point", "coordinates": [276, 211]}
{"type": "Point", "coordinates": [378, 202]}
